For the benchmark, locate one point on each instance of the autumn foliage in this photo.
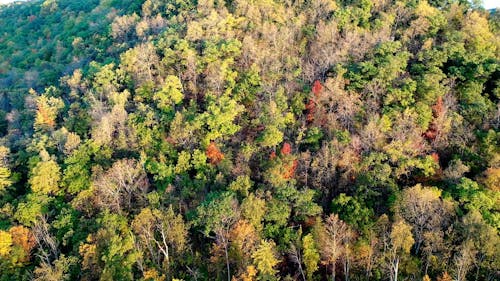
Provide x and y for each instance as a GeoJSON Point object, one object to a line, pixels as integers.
{"type": "Point", "coordinates": [22, 236]}
{"type": "Point", "coordinates": [286, 149]}
{"type": "Point", "coordinates": [311, 104]}
{"type": "Point", "coordinates": [317, 87]}
{"type": "Point", "coordinates": [437, 111]}
{"type": "Point", "coordinates": [214, 154]}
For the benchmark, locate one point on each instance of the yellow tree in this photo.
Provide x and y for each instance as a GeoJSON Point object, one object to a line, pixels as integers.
{"type": "Point", "coordinates": [5, 243]}
{"type": "Point", "coordinates": [45, 177]}
{"type": "Point", "coordinates": [311, 255]}
{"type": "Point", "coordinates": [397, 244]}
{"type": "Point", "coordinates": [265, 259]}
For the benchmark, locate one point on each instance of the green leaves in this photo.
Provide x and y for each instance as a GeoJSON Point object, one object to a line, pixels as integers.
{"type": "Point", "coordinates": [169, 95]}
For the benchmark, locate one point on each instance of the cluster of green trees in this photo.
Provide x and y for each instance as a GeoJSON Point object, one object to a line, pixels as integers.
{"type": "Point", "coordinates": [249, 140]}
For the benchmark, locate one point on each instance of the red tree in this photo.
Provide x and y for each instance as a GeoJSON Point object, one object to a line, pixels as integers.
{"type": "Point", "coordinates": [317, 87]}
{"type": "Point", "coordinates": [286, 149]}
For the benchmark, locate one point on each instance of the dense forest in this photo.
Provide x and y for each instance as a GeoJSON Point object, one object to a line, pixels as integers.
{"type": "Point", "coordinates": [164, 140]}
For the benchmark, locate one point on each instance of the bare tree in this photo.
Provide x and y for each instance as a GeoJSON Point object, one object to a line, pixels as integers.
{"type": "Point", "coordinates": [123, 184]}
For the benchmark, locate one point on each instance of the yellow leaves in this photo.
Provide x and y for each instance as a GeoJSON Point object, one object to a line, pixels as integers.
{"type": "Point", "coordinates": [17, 242]}
{"type": "Point", "coordinates": [183, 163]}
{"type": "Point", "coordinates": [249, 275]}
{"type": "Point", "coordinates": [45, 177]}
{"type": "Point", "coordinates": [425, 10]}
{"type": "Point", "coordinates": [482, 43]}
{"type": "Point", "coordinates": [311, 255]}
{"type": "Point", "coordinates": [89, 255]}
{"type": "Point", "coordinates": [47, 110]}
{"type": "Point", "coordinates": [5, 243]}
{"type": "Point", "coordinates": [170, 94]}
{"type": "Point", "coordinates": [243, 237]}
{"type": "Point", "coordinates": [401, 237]}
{"type": "Point", "coordinates": [153, 275]}
{"type": "Point", "coordinates": [265, 258]}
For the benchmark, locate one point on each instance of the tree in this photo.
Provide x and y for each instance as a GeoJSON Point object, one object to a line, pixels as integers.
{"type": "Point", "coordinates": [214, 154]}
{"type": "Point", "coordinates": [396, 242]}
{"type": "Point", "coordinates": [58, 271]}
{"type": "Point", "coordinates": [23, 238]}
{"type": "Point", "coordinates": [265, 259]}
{"type": "Point", "coordinates": [5, 172]}
{"type": "Point", "coordinates": [5, 243]}
{"type": "Point", "coordinates": [424, 210]}
{"type": "Point", "coordinates": [160, 231]}
{"type": "Point", "coordinates": [217, 215]}
{"type": "Point", "coordinates": [311, 255]}
{"type": "Point", "coordinates": [47, 110]}
{"type": "Point", "coordinates": [121, 187]}
{"type": "Point", "coordinates": [445, 277]}
{"type": "Point", "coordinates": [169, 95]}
{"type": "Point", "coordinates": [332, 237]}
{"type": "Point", "coordinates": [45, 177]}
{"type": "Point", "coordinates": [244, 239]}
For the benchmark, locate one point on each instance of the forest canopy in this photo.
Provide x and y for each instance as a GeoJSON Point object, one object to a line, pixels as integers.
{"type": "Point", "coordinates": [168, 140]}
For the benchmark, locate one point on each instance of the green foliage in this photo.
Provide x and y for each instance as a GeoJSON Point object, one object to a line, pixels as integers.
{"type": "Point", "coordinates": [191, 140]}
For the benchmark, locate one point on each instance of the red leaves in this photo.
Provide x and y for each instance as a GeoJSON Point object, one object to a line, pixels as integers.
{"type": "Point", "coordinates": [311, 105]}
{"type": "Point", "coordinates": [311, 109]}
{"type": "Point", "coordinates": [286, 162]}
{"type": "Point", "coordinates": [214, 154]}
{"type": "Point", "coordinates": [272, 155]}
{"type": "Point", "coordinates": [317, 87]}
{"type": "Point", "coordinates": [431, 133]}
{"type": "Point", "coordinates": [286, 149]}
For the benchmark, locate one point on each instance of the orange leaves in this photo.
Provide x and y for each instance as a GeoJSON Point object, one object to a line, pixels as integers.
{"type": "Point", "coordinates": [214, 154]}
{"type": "Point", "coordinates": [435, 157]}
{"type": "Point", "coordinates": [24, 239]}
{"type": "Point", "coordinates": [438, 108]}
{"type": "Point", "coordinates": [285, 165]}
{"type": "Point", "coordinates": [290, 169]}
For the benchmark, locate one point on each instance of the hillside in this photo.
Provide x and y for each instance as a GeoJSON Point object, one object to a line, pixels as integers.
{"type": "Point", "coordinates": [249, 140]}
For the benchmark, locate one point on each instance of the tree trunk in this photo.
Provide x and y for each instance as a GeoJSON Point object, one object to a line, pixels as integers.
{"type": "Point", "coordinates": [227, 261]}
{"type": "Point", "coordinates": [333, 271]}
{"type": "Point", "coordinates": [396, 267]}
